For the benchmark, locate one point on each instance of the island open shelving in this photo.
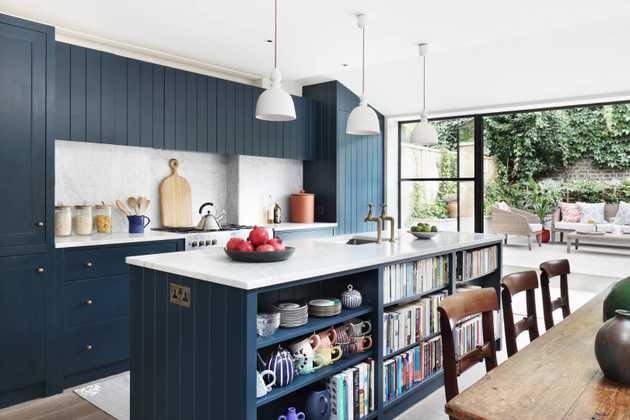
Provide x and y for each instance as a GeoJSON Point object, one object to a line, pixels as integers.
{"type": "Point", "coordinates": [200, 362]}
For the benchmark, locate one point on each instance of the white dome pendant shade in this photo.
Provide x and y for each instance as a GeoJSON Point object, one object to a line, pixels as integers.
{"type": "Point", "coordinates": [424, 133]}
{"type": "Point", "coordinates": [363, 120]}
{"type": "Point", "coordinates": [275, 104]}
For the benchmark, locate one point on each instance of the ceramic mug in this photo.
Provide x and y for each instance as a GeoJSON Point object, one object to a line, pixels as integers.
{"type": "Point", "coordinates": [343, 338]}
{"type": "Point", "coordinates": [137, 223]}
{"type": "Point", "coordinates": [361, 344]}
{"type": "Point", "coordinates": [262, 387]}
{"type": "Point", "coordinates": [330, 354]}
{"type": "Point", "coordinates": [307, 346]}
{"type": "Point", "coordinates": [309, 364]}
{"type": "Point", "coordinates": [358, 328]}
{"type": "Point", "coordinates": [328, 338]}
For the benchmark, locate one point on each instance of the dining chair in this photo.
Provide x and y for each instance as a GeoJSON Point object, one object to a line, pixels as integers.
{"type": "Point", "coordinates": [513, 284]}
{"type": "Point", "coordinates": [550, 269]}
{"type": "Point", "coordinates": [455, 308]}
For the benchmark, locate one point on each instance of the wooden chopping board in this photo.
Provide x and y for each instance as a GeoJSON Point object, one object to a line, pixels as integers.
{"type": "Point", "coordinates": [175, 199]}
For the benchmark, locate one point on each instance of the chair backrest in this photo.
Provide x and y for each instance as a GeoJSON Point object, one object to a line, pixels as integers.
{"type": "Point", "coordinates": [453, 309]}
{"type": "Point", "coordinates": [550, 269]}
{"type": "Point", "coordinates": [513, 284]}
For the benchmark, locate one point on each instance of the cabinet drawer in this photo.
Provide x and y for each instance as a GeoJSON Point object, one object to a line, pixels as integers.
{"type": "Point", "coordinates": [96, 300]}
{"type": "Point", "coordinates": [108, 261]}
{"type": "Point", "coordinates": [96, 345]}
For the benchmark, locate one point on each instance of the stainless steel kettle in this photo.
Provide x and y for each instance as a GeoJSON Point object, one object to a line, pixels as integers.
{"type": "Point", "coordinates": [210, 221]}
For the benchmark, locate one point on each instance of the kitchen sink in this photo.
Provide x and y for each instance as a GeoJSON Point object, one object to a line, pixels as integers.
{"type": "Point", "coordinates": [360, 241]}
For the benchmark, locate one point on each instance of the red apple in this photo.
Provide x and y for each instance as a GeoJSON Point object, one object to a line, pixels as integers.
{"type": "Point", "coordinates": [272, 241]}
{"type": "Point", "coordinates": [233, 243]}
{"type": "Point", "coordinates": [258, 236]}
{"type": "Point", "coordinates": [244, 246]}
{"type": "Point", "coordinates": [278, 246]}
{"type": "Point", "coordinates": [265, 248]}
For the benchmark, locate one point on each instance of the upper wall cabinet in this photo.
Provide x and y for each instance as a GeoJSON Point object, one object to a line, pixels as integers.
{"type": "Point", "coordinates": [105, 98]}
{"type": "Point", "coordinates": [25, 87]}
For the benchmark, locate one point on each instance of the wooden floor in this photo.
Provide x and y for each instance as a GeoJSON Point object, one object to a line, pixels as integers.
{"type": "Point", "coordinates": [66, 406]}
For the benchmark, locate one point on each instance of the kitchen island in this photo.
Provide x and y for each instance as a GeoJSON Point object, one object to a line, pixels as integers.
{"type": "Point", "coordinates": [193, 320]}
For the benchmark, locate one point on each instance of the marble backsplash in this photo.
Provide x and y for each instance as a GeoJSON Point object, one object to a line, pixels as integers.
{"type": "Point", "coordinates": [88, 173]}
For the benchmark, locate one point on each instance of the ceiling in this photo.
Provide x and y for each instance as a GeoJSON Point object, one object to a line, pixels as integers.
{"type": "Point", "coordinates": [484, 54]}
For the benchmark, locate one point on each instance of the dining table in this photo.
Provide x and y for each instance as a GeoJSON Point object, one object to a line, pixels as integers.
{"type": "Point", "coordinates": [554, 377]}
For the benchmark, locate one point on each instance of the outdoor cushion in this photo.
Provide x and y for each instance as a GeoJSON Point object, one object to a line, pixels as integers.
{"type": "Point", "coordinates": [623, 214]}
{"type": "Point", "coordinates": [570, 212]}
{"type": "Point", "coordinates": [579, 227]}
{"type": "Point", "coordinates": [535, 227]}
{"type": "Point", "coordinates": [592, 212]}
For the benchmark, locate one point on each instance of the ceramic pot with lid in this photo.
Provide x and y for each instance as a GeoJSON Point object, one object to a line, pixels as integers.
{"type": "Point", "coordinates": [302, 207]}
{"type": "Point", "coordinates": [351, 298]}
{"type": "Point", "coordinates": [612, 346]}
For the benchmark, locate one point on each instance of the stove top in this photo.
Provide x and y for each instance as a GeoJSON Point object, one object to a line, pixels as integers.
{"type": "Point", "coordinates": [224, 228]}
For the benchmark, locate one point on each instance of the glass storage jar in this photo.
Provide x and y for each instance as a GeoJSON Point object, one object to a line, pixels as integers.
{"type": "Point", "coordinates": [83, 220]}
{"type": "Point", "coordinates": [103, 218]}
{"type": "Point", "coordinates": [63, 220]}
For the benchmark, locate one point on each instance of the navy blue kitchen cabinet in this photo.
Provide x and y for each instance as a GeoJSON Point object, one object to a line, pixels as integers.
{"type": "Point", "coordinates": [92, 296]}
{"type": "Point", "coordinates": [105, 98]}
{"type": "Point", "coordinates": [25, 285]}
{"type": "Point", "coordinates": [26, 84]}
{"type": "Point", "coordinates": [346, 171]}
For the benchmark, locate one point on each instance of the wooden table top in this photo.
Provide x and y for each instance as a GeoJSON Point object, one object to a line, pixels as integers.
{"type": "Point", "coordinates": [555, 377]}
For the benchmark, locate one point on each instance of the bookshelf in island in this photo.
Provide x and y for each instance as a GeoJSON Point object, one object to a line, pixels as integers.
{"type": "Point", "coordinates": [196, 354]}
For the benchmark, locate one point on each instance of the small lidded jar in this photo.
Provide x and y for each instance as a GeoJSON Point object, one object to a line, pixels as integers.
{"type": "Point", "coordinates": [83, 220]}
{"type": "Point", "coordinates": [63, 220]}
{"type": "Point", "coordinates": [103, 218]}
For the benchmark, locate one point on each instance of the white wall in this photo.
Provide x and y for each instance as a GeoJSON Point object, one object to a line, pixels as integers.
{"type": "Point", "coordinates": [88, 173]}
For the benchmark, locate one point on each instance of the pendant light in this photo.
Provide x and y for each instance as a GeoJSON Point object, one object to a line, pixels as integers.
{"type": "Point", "coordinates": [275, 104]}
{"type": "Point", "coordinates": [424, 133]}
{"type": "Point", "coordinates": [363, 121]}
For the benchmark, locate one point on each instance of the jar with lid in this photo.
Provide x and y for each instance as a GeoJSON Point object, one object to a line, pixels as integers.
{"type": "Point", "coordinates": [63, 220]}
{"type": "Point", "coordinates": [82, 220]}
{"type": "Point", "coordinates": [103, 218]}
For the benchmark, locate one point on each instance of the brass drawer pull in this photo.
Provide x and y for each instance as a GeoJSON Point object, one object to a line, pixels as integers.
{"type": "Point", "coordinates": [40, 269]}
{"type": "Point", "coordinates": [88, 264]}
{"type": "Point", "coordinates": [88, 347]}
{"type": "Point", "coordinates": [88, 301]}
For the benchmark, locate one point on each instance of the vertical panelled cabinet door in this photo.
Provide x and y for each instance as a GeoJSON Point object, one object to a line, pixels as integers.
{"type": "Point", "coordinates": [23, 282]}
{"type": "Point", "coordinates": [23, 88]}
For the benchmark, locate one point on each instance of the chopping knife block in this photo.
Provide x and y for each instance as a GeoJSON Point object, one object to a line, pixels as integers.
{"type": "Point", "coordinates": [175, 199]}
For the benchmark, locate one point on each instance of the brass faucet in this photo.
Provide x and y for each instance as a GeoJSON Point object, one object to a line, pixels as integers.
{"type": "Point", "coordinates": [378, 220]}
{"type": "Point", "coordinates": [392, 222]}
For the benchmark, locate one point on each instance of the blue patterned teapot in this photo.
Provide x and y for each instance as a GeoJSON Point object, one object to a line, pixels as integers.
{"type": "Point", "coordinates": [281, 363]}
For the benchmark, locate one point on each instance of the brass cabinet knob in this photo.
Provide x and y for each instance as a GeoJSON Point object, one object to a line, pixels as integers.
{"type": "Point", "coordinates": [88, 301]}
{"type": "Point", "coordinates": [89, 264]}
{"type": "Point", "coordinates": [39, 224]}
{"type": "Point", "coordinates": [40, 269]}
{"type": "Point", "coordinates": [88, 347]}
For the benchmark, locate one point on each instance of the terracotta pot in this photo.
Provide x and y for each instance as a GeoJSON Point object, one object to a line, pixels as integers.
{"type": "Point", "coordinates": [452, 209]}
{"type": "Point", "coordinates": [302, 207]}
{"type": "Point", "coordinates": [618, 298]}
{"type": "Point", "coordinates": [612, 346]}
{"type": "Point", "coordinates": [545, 235]}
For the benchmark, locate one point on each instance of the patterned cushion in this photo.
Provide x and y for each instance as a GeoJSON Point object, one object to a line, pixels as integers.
{"type": "Point", "coordinates": [623, 214]}
{"type": "Point", "coordinates": [592, 212]}
{"type": "Point", "coordinates": [570, 212]}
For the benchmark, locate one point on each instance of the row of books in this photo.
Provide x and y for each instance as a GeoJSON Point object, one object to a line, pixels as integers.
{"type": "Point", "coordinates": [409, 279]}
{"type": "Point", "coordinates": [411, 323]}
{"type": "Point", "coordinates": [403, 371]}
{"type": "Point", "coordinates": [352, 392]}
{"type": "Point", "coordinates": [468, 335]}
{"type": "Point", "coordinates": [477, 263]}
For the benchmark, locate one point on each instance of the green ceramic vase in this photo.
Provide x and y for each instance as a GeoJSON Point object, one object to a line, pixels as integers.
{"type": "Point", "coordinates": [618, 298]}
{"type": "Point", "coordinates": [612, 346]}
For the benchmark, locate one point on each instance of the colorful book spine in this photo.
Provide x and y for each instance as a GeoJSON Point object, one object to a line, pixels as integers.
{"type": "Point", "coordinates": [406, 280]}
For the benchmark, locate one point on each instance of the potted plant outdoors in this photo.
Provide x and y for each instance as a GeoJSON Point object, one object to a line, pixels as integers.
{"type": "Point", "coordinates": [451, 205]}
{"type": "Point", "coordinates": [544, 202]}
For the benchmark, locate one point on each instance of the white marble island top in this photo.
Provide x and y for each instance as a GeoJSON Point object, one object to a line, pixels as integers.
{"type": "Point", "coordinates": [312, 258]}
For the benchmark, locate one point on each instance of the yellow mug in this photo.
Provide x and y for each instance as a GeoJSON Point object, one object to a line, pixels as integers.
{"type": "Point", "coordinates": [329, 355]}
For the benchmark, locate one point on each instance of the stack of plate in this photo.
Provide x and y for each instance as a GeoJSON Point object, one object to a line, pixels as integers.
{"type": "Point", "coordinates": [324, 307]}
{"type": "Point", "coordinates": [292, 314]}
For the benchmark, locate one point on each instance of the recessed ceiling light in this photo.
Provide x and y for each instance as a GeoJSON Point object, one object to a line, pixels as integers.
{"type": "Point", "coordinates": [269, 41]}
{"type": "Point", "coordinates": [345, 65]}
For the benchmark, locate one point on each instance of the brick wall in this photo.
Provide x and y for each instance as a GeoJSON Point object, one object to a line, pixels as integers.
{"type": "Point", "coordinates": [584, 170]}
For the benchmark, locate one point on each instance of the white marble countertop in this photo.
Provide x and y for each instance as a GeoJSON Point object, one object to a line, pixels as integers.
{"type": "Point", "coordinates": [287, 227]}
{"type": "Point", "coordinates": [312, 258]}
{"type": "Point", "coordinates": [114, 238]}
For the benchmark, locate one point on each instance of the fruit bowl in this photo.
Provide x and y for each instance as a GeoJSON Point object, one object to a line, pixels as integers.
{"type": "Point", "coordinates": [424, 235]}
{"type": "Point", "coordinates": [260, 257]}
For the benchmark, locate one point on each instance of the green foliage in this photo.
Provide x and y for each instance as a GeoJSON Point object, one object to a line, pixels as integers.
{"type": "Point", "coordinates": [438, 209]}
{"type": "Point", "coordinates": [545, 198]}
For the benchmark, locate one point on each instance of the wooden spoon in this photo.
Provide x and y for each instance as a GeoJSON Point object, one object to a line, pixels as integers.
{"type": "Point", "coordinates": [121, 206]}
{"type": "Point", "coordinates": [133, 204]}
{"type": "Point", "coordinates": [144, 204]}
